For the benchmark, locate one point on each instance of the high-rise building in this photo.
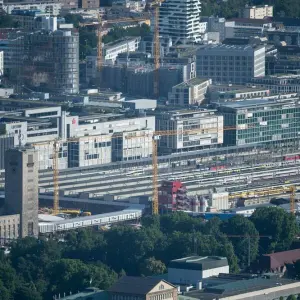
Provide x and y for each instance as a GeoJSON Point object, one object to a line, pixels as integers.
{"type": "Point", "coordinates": [231, 63]}
{"type": "Point", "coordinates": [43, 60]}
{"type": "Point", "coordinates": [180, 19]}
{"type": "Point", "coordinates": [21, 188]}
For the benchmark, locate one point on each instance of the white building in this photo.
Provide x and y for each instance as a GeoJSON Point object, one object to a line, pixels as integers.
{"type": "Point", "coordinates": [257, 12]}
{"type": "Point", "coordinates": [52, 8]}
{"type": "Point", "coordinates": [111, 50]}
{"type": "Point", "coordinates": [218, 200]}
{"type": "Point", "coordinates": [193, 269]}
{"type": "Point", "coordinates": [197, 129]}
{"type": "Point", "coordinates": [230, 63]}
{"type": "Point", "coordinates": [180, 19]}
{"type": "Point", "coordinates": [191, 92]}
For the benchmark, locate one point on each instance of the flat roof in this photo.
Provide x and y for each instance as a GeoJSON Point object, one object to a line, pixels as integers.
{"type": "Point", "coordinates": [192, 82]}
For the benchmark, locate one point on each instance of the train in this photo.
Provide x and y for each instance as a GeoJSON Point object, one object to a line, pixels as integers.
{"type": "Point", "coordinates": [292, 157]}
{"type": "Point", "coordinates": [95, 220]}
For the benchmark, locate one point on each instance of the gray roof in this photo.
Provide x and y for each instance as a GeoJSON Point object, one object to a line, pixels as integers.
{"type": "Point", "coordinates": [135, 285]}
{"type": "Point", "coordinates": [199, 262]}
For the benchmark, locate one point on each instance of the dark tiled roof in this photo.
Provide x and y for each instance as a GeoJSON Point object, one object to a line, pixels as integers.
{"type": "Point", "coordinates": [279, 259]}
{"type": "Point", "coordinates": [135, 285]}
{"type": "Point", "coordinates": [251, 21]}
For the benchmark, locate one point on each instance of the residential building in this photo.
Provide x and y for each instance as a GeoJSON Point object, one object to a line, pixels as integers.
{"type": "Point", "coordinates": [43, 60]}
{"type": "Point", "coordinates": [257, 12]}
{"type": "Point", "coordinates": [68, 4]}
{"type": "Point", "coordinates": [180, 20]}
{"type": "Point", "coordinates": [191, 92]}
{"type": "Point", "coordinates": [21, 188]}
{"type": "Point", "coordinates": [261, 121]}
{"type": "Point", "coordinates": [9, 228]}
{"type": "Point", "coordinates": [143, 288]}
{"type": "Point", "coordinates": [197, 129]}
{"type": "Point", "coordinates": [289, 37]}
{"type": "Point", "coordinates": [1, 63]}
{"type": "Point", "coordinates": [52, 8]}
{"type": "Point", "coordinates": [231, 64]}
{"type": "Point", "coordinates": [279, 84]}
{"type": "Point", "coordinates": [193, 269]}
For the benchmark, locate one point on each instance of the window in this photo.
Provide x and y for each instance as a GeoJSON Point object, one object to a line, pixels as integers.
{"type": "Point", "coordinates": [161, 287]}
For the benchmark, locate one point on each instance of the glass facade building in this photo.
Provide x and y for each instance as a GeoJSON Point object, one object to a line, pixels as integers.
{"type": "Point", "coordinates": [261, 121]}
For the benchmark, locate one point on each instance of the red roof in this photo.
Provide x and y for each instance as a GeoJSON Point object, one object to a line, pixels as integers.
{"type": "Point", "coordinates": [276, 260]}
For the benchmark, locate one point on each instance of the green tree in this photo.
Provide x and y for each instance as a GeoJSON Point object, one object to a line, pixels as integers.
{"type": "Point", "coordinates": [291, 297]}
{"type": "Point", "coordinates": [239, 229]}
{"type": "Point", "coordinates": [276, 223]}
{"type": "Point", "coordinates": [27, 292]}
{"type": "Point", "coordinates": [74, 19]}
{"type": "Point", "coordinates": [4, 292]}
{"type": "Point", "coordinates": [151, 266]}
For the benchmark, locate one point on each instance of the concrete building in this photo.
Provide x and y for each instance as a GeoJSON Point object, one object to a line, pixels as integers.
{"type": "Point", "coordinates": [257, 12]}
{"type": "Point", "coordinates": [279, 84]}
{"type": "Point", "coordinates": [218, 199]}
{"type": "Point", "coordinates": [191, 92]}
{"type": "Point", "coordinates": [21, 188]}
{"type": "Point", "coordinates": [43, 60]}
{"type": "Point", "coordinates": [193, 269]}
{"type": "Point", "coordinates": [261, 121]}
{"type": "Point", "coordinates": [180, 20]}
{"type": "Point", "coordinates": [230, 64]}
{"type": "Point", "coordinates": [143, 288]}
{"type": "Point", "coordinates": [52, 8]}
{"type": "Point", "coordinates": [9, 228]}
{"type": "Point", "coordinates": [205, 126]}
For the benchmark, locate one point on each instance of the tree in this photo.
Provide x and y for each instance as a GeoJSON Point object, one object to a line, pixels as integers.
{"type": "Point", "coordinates": [291, 297]}
{"type": "Point", "coordinates": [151, 266]}
{"type": "Point", "coordinates": [27, 292]}
{"type": "Point", "coordinates": [276, 223]}
{"type": "Point", "coordinates": [74, 19]}
{"type": "Point", "coordinates": [239, 229]}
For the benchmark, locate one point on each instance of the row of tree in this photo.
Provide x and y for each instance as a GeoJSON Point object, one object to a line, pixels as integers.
{"type": "Point", "coordinates": [39, 269]}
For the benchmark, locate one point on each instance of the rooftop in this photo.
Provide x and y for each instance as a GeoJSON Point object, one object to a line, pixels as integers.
{"type": "Point", "coordinates": [135, 285]}
{"type": "Point", "coordinates": [228, 48]}
{"type": "Point", "coordinates": [199, 262]}
{"type": "Point", "coordinates": [191, 82]}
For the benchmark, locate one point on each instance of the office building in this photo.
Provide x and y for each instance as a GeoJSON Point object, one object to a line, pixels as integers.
{"type": "Point", "coordinates": [261, 121]}
{"type": "Point", "coordinates": [193, 269]}
{"type": "Point", "coordinates": [180, 20]}
{"type": "Point", "coordinates": [46, 61]}
{"type": "Point", "coordinates": [230, 64]}
{"type": "Point", "coordinates": [21, 188]}
{"type": "Point", "coordinates": [143, 288]}
{"type": "Point", "coordinates": [279, 84]}
{"type": "Point", "coordinates": [197, 129]}
{"type": "Point", "coordinates": [257, 12]}
{"type": "Point", "coordinates": [191, 92]}
{"type": "Point", "coordinates": [52, 8]}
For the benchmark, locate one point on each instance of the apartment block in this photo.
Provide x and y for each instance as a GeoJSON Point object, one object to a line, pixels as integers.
{"type": "Point", "coordinates": [231, 63]}
{"type": "Point", "coordinates": [197, 129]}
{"type": "Point", "coordinates": [191, 92]}
{"type": "Point", "coordinates": [9, 228]}
{"type": "Point", "coordinates": [21, 188]}
{"type": "Point", "coordinates": [89, 4]}
{"type": "Point", "coordinates": [257, 12]}
{"type": "Point", "coordinates": [180, 20]}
